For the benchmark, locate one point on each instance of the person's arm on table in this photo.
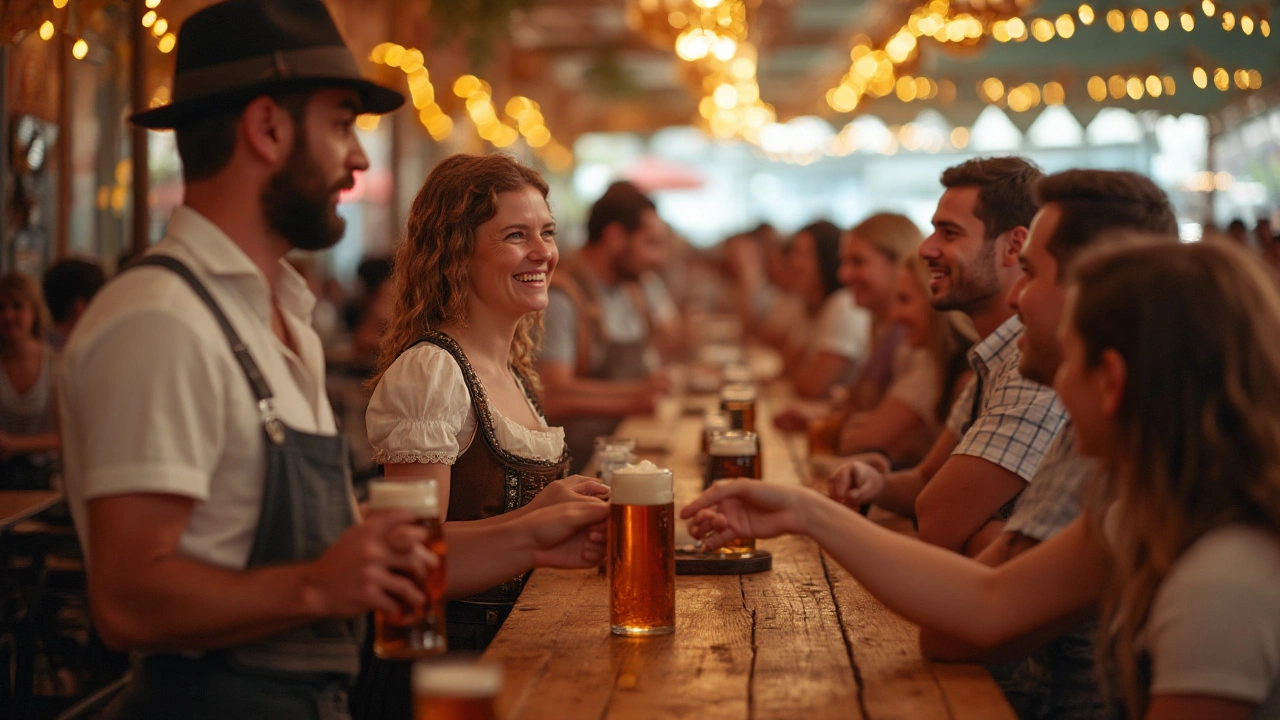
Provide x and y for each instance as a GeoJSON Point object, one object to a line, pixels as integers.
{"type": "Point", "coordinates": [958, 501]}
{"type": "Point", "coordinates": [575, 488]}
{"type": "Point", "coordinates": [925, 584]}
{"type": "Point", "coordinates": [146, 595]}
{"type": "Point", "coordinates": [484, 553]}
{"type": "Point", "coordinates": [858, 483]}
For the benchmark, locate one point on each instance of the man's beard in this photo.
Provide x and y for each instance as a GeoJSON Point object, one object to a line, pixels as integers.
{"type": "Point", "coordinates": [297, 206]}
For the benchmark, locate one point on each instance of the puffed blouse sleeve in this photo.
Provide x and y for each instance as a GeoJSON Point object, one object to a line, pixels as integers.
{"type": "Point", "coordinates": [418, 408]}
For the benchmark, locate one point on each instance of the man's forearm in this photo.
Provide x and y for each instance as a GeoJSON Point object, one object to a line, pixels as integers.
{"type": "Point", "coordinates": [484, 553]}
{"type": "Point", "coordinates": [900, 492]}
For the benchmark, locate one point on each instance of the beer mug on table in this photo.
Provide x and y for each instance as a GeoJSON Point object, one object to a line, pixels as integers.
{"type": "Point", "coordinates": [642, 551]}
{"type": "Point", "coordinates": [738, 401]}
{"type": "Point", "coordinates": [455, 690]}
{"type": "Point", "coordinates": [413, 632]}
{"type": "Point", "coordinates": [734, 454]}
{"type": "Point", "coordinates": [714, 421]}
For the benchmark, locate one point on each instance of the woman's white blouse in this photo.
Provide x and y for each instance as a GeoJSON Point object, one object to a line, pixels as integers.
{"type": "Point", "coordinates": [421, 412]}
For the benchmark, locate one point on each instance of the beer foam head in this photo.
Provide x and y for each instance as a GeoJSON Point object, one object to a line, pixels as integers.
{"type": "Point", "coordinates": [457, 679]}
{"type": "Point", "coordinates": [733, 443]}
{"type": "Point", "coordinates": [417, 496]}
{"type": "Point", "coordinates": [738, 392]}
{"type": "Point", "coordinates": [641, 484]}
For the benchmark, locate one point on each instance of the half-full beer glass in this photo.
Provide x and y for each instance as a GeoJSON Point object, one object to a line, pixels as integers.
{"type": "Point", "coordinates": [413, 632]}
{"type": "Point", "coordinates": [642, 551]}
{"type": "Point", "coordinates": [455, 690]}
{"type": "Point", "coordinates": [733, 454]}
{"type": "Point", "coordinates": [738, 401]}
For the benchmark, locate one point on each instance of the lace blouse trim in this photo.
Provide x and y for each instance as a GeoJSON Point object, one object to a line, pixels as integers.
{"type": "Point", "coordinates": [382, 457]}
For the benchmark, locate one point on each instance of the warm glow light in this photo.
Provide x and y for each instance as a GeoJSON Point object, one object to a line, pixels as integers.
{"type": "Point", "coordinates": [960, 137]}
{"type": "Point", "coordinates": [412, 60]}
{"type": "Point", "coordinates": [46, 30]}
{"type": "Point", "coordinates": [1085, 13]}
{"type": "Point", "coordinates": [1208, 7]}
{"type": "Point", "coordinates": [725, 96]}
{"type": "Point", "coordinates": [1042, 30]}
{"type": "Point", "coordinates": [1065, 25]}
{"type": "Point", "coordinates": [59, 4]}
{"type": "Point", "coordinates": [1054, 94]}
{"type": "Point", "coordinates": [1134, 87]}
{"type": "Point", "coordinates": [1139, 19]}
{"type": "Point", "coordinates": [1228, 21]}
{"type": "Point", "coordinates": [1154, 88]}
{"type": "Point", "coordinates": [843, 99]}
{"type": "Point", "coordinates": [167, 43]}
{"type": "Point", "coordinates": [906, 89]}
{"type": "Point", "coordinates": [368, 122]}
{"type": "Point", "coordinates": [1255, 80]}
{"type": "Point", "coordinates": [80, 49]}
{"type": "Point", "coordinates": [1246, 25]}
{"type": "Point", "coordinates": [1115, 20]}
{"type": "Point", "coordinates": [1265, 27]}
{"type": "Point", "coordinates": [160, 28]}
{"type": "Point", "coordinates": [1000, 31]}
{"type": "Point", "coordinates": [466, 86]}
{"type": "Point", "coordinates": [1170, 87]}
{"type": "Point", "coordinates": [1200, 78]}
{"type": "Point", "coordinates": [992, 89]}
{"type": "Point", "coordinates": [1221, 79]}
{"type": "Point", "coordinates": [1097, 88]}
{"type": "Point", "coordinates": [149, 19]}
{"type": "Point", "coordinates": [395, 53]}
{"type": "Point", "coordinates": [1017, 28]}
{"type": "Point", "coordinates": [1116, 85]}
{"type": "Point", "coordinates": [153, 3]}
{"type": "Point", "coordinates": [1188, 21]}
{"type": "Point", "coordinates": [1161, 20]}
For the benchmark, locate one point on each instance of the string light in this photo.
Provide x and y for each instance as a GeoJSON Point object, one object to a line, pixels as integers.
{"type": "Point", "coordinates": [153, 4]}
{"type": "Point", "coordinates": [1188, 21]}
{"type": "Point", "coordinates": [167, 43]}
{"type": "Point", "coordinates": [160, 28]}
{"type": "Point", "coordinates": [1208, 7]}
{"type": "Point", "coordinates": [59, 4]}
{"type": "Point", "coordinates": [80, 49]}
{"type": "Point", "coordinates": [1138, 18]}
{"type": "Point", "coordinates": [46, 30]}
{"type": "Point", "coordinates": [1115, 20]}
{"type": "Point", "coordinates": [1085, 13]}
{"type": "Point", "coordinates": [1228, 21]}
{"type": "Point", "coordinates": [149, 19]}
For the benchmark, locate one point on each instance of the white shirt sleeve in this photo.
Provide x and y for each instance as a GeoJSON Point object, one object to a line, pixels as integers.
{"type": "Point", "coordinates": [420, 408]}
{"type": "Point", "coordinates": [1214, 627]}
{"type": "Point", "coordinates": [842, 327]}
{"type": "Point", "coordinates": [173, 403]}
{"type": "Point", "coordinates": [916, 382]}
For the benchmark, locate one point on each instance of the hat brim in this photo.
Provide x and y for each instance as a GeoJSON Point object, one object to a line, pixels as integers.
{"type": "Point", "coordinates": [374, 100]}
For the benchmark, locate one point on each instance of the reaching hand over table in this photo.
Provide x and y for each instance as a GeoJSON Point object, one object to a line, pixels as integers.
{"type": "Point", "coordinates": [747, 509]}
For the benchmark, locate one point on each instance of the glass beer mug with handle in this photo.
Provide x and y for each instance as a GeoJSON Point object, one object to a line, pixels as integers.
{"type": "Point", "coordinates": [413, 632]}
{"type": "Point", "coordinates": [733, 454]}
{"type": "Point", "coordinates": [641, 552]}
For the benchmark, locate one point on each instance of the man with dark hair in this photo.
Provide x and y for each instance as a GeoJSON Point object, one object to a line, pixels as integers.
{"type": "Point", "coordinates": [1079, 209]}
{"type": "Point", "coordinates": [203, 467]}
{"type": "Point", "coordinates": [597, 362]}
{"type": "Point", "coordinates": [1002, 423]}
{"type": "Point", "coordinates": [69, 285]}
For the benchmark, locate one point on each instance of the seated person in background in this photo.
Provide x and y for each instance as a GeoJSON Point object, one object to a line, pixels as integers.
{"type": "Point", "coordinates": [929, 370]}
{"type": "Point", "coordinates": [999, 429]}
{"type": "Point", "coordinates": [839, 330]}
{"type": "Point", "coordinates": [597, 361]}
{"type": "Point", "coordinates": [69, 285]}
{"type": "Point", "coordinates": [1171, 373]}
{"type": "Point", "coordinates": [29, 440]}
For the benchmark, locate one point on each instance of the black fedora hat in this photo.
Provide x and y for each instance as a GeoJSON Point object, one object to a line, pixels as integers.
{"type": "Point", "coordinates": [234, 51]}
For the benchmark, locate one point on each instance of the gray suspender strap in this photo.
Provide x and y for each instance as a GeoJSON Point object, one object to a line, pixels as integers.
{"type": "Point", "coordinates": [257, 383]}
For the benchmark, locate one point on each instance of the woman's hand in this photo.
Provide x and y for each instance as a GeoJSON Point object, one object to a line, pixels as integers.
{"type": "Point", "coordinates": [568, 535]}
{"type": "Point", "coordinates": [575, 488]}
{"type": "Point", "coordinates": [860, 481]}
{"type": "Point", "coordinates": [747, 509]}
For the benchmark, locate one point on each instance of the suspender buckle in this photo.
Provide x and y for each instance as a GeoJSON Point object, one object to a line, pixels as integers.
{"type": "Point", "coordinates": [270, 421]}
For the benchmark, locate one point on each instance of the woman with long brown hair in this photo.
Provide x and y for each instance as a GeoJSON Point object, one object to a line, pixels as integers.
{"type": "Point", "coordinates": [1172, 376]}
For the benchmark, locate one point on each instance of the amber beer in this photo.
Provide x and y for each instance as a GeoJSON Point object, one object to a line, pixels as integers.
{"type": "Point", "coordinates": [738, 401]}
{"type": "Point", "coordinates": [734, 454]}
{"type": "Point", "coordinates": [641, 551]}
{"type": "Point", "coordinates": [454, 690]}
{"type": "Point", "coordinates": [413, 632]}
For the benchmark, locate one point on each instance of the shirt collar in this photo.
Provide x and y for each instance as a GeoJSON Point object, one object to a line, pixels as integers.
{"type": "Point", "coordinates": [219, 256]}
{"type": "Point", "coordinates": [996, 345]}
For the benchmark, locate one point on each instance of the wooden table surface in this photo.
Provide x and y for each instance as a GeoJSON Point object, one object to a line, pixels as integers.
{"type": "Point", "coordinates": [803, 640]}
{"type": "Point", "coordinates": [18, 505]}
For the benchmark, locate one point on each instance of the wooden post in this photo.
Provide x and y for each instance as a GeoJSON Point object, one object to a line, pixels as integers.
{"type": "Point", "coordinates": [138, 135]}
{"type": "Point", "coordinates": [62, 233]}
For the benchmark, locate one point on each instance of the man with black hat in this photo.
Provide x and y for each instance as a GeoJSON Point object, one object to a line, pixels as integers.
{"type": "Point", "coordinates": [204, 470]}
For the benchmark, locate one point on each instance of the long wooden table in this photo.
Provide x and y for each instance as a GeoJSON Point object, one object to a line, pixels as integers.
{"type": "Point", "coordinates": [803, 640]}
{"type": "Point", "coordinates": [19, 505]}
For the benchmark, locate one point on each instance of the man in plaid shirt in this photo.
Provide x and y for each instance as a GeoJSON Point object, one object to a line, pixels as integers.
{"type": "Point", "coordinates": [1002, 423]}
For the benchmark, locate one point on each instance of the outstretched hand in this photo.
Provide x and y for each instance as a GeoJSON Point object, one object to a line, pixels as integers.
{"type": "Point", "coordinates": [733, 509]}
{"type": "Point", "coordinates": [569, 535]}
{"type": "Point", "coordinates": [575, 488]}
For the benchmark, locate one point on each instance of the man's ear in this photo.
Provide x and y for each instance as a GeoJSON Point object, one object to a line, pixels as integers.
{"type": "Point", "coordinates": [267, 131]}
{"type": "Point", "coordinates": [1017, 239]}
{"type": "Point", "coordinates": [1113, 376]}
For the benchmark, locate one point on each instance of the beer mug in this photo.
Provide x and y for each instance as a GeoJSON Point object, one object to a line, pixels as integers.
{"type": "Point", "coordinates": [413, 632]}
{"type": "Point", "coordinates": [738, 401]}
{"type": "Point", "coordinates": [455, 690]}
{"type": "Point", "coordinates": [713, 422]}
{"type": "Point", "coordinates": [733, 454]}
{"type": "Point", "coordinates": [642, 551]}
